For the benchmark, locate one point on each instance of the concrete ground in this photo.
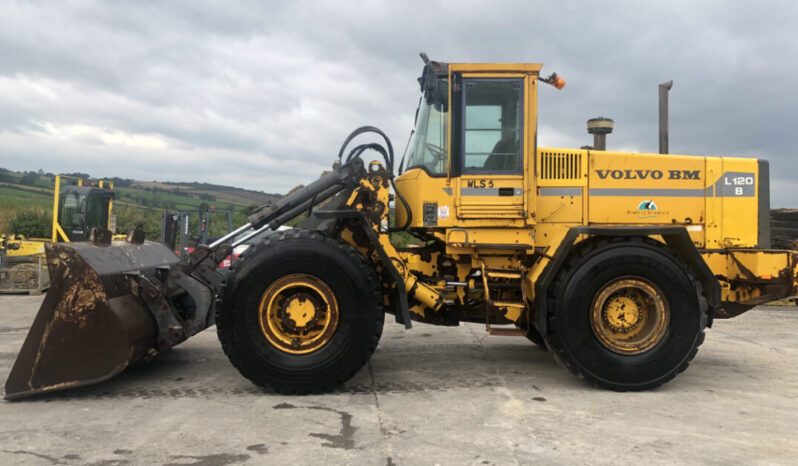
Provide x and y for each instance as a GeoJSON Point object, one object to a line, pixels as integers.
{"type": "Point", "coordinates": [429, 396]}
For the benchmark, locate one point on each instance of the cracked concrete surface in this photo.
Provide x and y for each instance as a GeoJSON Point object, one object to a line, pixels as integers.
{"type": "Point", "coordinates": [429, 396]}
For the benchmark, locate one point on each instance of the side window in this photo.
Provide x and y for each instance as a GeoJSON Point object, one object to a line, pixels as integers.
{"type": "Point", "coordinates": [492, 125]}
{"type": "Point", "coordinates": [96, 210]}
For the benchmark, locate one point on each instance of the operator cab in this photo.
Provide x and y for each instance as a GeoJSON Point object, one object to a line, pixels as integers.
{"type": "Point", "coordinates": [473, 145]}
{"type": "Point", "coordinates": [81, 208]}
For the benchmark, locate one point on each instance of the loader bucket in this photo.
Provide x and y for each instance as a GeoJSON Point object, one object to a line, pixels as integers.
{"type": "Point", "coordinates": [90, 326]}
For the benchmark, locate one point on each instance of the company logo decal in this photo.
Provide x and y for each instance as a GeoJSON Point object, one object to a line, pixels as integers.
{"type": "Point", "coordinates": [647, 209]}
{"type": "Point", "coordinates": [647, 205]}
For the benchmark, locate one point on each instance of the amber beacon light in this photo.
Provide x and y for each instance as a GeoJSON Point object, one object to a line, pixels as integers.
{"type": "Point", "coordinates": [554, 80]}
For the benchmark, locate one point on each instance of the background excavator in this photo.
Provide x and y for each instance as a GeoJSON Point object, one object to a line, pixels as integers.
{"type": "Point", "coordinates": [616, 262]}
{"type": "Point", "coordinates": [78, 208]}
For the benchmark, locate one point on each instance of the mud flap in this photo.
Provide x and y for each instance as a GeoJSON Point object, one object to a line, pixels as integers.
{"type": "Point", "coordinates": [91, 324]}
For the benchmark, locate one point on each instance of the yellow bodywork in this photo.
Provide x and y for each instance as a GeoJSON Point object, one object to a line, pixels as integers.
{"type": "Point", "coordinates": [18, 245]}
{"type": "Point", "coordinates": [715, 199]}
{"type": "Point", "coordinates": [605, 188]}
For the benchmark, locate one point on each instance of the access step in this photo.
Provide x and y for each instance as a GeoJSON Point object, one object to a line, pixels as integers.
{"type": "Point", "coordinates": [503, 274]}
{"type": "Point", "coordinates": [507, 332]}
{"type": "Point", "coordinates": [509, 304]}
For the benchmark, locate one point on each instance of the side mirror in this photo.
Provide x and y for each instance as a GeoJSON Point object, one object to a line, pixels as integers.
{"type": "Point", "coordinates": [434, 90]}
{"type": "Point", "coordinates": [429, 85]}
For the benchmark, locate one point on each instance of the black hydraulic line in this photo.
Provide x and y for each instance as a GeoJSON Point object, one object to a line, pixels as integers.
{"type": "Point", "coordinates": [369, 129]}
{"type": "Point", "coordinates": [407, 209]}
{"type": "Point", "coordinates": [357, 151]}
{"type": "Point", "coordinates": [388, 156]}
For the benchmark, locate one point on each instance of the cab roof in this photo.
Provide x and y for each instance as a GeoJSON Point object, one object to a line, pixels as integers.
{"type": "Point", "coordinates": [496, 67]}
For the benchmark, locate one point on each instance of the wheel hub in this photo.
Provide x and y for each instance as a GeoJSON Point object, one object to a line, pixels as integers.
{"type": "Point", "coordinates": [622, 313]}
{"type": "Point", "coordinates": [629, 315]}
{"type": "Point", "coordinates": [298, 314]}
{"type": "Point", "coordinates": [298, 310]}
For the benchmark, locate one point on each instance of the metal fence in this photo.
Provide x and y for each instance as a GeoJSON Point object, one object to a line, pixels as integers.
{"type": "Point", "coordinates": [23, 274]}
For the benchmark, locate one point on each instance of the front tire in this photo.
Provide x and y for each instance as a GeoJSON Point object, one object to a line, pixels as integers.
{"type": "Point", "coordinates": [533, 335]}
{"type": "Point", "coordinates": [628, 315]}
{"type": "Point", "coordinates": [300, 312]}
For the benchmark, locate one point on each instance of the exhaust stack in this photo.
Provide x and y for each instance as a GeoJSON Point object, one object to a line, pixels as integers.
{"type": "Point", "coordinates": [600, 127]}
{"type": "Point", "coordinates": [663, 116]}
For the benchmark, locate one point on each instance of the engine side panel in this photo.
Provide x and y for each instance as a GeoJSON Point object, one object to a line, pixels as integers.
{"type": "Point", "coordinates": [647, 189]}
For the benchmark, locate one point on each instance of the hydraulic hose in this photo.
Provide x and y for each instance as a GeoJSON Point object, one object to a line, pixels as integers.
{"type": "Point", "coordinates": [388, 157]}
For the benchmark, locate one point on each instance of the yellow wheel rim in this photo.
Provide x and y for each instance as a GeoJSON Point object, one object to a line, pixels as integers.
{"type": "Point", "coordinates": [298, 314]}
{"type": "Point", "coordinates": [629, 315]}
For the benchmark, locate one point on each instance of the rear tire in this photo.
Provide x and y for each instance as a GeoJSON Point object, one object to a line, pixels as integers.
{"type": "Point", "coordinates": [628, 315]}
{"type": "Point", "coordinates": [344, 279]}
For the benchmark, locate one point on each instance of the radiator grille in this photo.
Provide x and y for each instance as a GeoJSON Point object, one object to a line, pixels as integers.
{"type": "Point", "coordinates": [560, 165]}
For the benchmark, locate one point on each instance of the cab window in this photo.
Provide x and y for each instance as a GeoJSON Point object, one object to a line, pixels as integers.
{"type": "Point", "coordinates": [96, 210]}
{"type": "Point", "coordinates": [71, 210]}
{"type": "Point", "coordinates": [492, 122]}
{"type": "Point", "coordinates": [429, 147]}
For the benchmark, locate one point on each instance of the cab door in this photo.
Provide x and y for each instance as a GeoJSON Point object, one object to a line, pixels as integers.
{"type": "Point", "coordinates": [489, 146]}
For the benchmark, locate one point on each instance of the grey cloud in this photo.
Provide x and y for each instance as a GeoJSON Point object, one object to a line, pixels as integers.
{"type": "Point", "coordinates": [271, 88]}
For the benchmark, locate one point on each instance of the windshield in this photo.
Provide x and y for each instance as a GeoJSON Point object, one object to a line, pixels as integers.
{"type": "Point", "coordinates": [428, 149]}
{"type": "Point", "coordinates": [71, 211]}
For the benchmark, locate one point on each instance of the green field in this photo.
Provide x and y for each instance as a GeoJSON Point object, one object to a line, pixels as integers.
{"type": "Point", "coordinates": [11, 195]}
{"type": "Point", "coordinates": [141, 204]}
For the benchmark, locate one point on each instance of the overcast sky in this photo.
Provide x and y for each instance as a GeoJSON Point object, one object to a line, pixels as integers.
{"type": "Point", "coordinates": [261, 94]}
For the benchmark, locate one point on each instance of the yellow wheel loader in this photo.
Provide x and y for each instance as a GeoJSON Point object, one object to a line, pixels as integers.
{"type": "Point", "coordinates": [616, 262]}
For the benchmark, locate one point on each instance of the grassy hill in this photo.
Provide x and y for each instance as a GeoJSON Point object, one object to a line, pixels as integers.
{"type": "Point", "coordinates": [136, 202]}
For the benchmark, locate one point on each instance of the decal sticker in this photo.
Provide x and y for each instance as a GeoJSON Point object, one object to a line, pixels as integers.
{"type": "Point", "coordinates": [736, 184]}
{"type": "Point", "coordinates": [443, 212]}
{"type": "Point", "coordinates": [647, 205]}
{"type": "Point", "coordinates": [647, 209]}
{"type": "Point", "coordinates": [488, 183]}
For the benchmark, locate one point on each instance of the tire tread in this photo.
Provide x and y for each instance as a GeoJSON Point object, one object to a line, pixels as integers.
{"type": "Point", "coordinates": [242, 360]}
{"type": "Point", "coordinates": [557, 348]}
